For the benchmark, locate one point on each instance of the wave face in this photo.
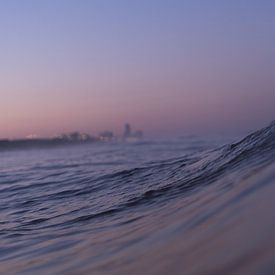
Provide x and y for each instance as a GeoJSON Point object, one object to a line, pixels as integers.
{"type": "Point", "coordinates": [183, 206]}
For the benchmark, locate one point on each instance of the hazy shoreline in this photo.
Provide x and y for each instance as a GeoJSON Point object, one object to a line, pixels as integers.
{"type": "Point", "coordinates": [6, 145]}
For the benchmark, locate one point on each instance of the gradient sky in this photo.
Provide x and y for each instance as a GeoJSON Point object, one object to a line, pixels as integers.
{"type": "Point", "coordinates": [168, 67]}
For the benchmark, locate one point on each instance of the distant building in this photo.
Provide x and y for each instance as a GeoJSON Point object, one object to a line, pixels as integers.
{"type": "Point", "coordinates": [129, 135]}
{"type": "Point", "coordinates": [84, 137]}
{"type": "Point", "coordinates": [127, 131]}
{"type": "Point", "coordinates": [139, 134]}
{"type": "Point", "coordinates": [106, 136]}
{"type": "Point", "coordinates": [75, 136]}
{"type": "Point", "coordinates": [31, 136]}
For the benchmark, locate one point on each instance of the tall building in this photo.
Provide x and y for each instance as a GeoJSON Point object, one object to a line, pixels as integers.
{"type": "Point", "coordinates": [129, 135]}
{"type": "Point", "coordinates": [127, 131]}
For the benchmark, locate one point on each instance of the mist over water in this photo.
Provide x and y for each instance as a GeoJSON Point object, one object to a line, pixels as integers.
{"type": "Point", "coordinates": [184, 206]}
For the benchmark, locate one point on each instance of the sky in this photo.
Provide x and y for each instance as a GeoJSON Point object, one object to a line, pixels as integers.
{"type": "Point", "coordinates": [165, 66]}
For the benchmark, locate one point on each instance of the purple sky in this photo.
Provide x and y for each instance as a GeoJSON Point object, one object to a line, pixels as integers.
{"type": "Point", "coordinates": [167, 67]}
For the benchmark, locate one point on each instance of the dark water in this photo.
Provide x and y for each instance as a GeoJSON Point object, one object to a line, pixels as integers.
{"type": "Point", "coordinates": [185, 206]}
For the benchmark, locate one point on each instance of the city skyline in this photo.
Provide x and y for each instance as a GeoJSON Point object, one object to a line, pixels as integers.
{"type": "Point", "coordinates": [168, 67]}
{"type": "Point", "coordinates": [106, 134]}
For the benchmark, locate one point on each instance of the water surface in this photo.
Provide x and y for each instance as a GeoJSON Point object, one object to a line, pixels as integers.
{"type": "Point", "coordinates": [183, 206]}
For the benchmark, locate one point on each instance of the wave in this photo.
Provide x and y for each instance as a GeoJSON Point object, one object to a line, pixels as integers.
{"type": "Point", "coordinates": [166, 179]}
{"type": "Point", "coordinates": [148, 184]}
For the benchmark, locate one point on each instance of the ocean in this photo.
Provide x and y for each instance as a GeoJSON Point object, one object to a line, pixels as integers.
{"type": "Point", "coordinates": [178, 206]}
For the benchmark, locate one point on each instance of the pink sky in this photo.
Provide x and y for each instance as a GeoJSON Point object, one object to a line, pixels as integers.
{"type": "Point", "coordinates": [168, 69]}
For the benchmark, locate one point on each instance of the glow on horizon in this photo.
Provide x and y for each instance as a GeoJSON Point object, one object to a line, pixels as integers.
{"type": "Point", "coordinates": [167, 67]}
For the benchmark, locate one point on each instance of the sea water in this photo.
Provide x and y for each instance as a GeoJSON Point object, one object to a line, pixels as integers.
{"type": "Point", "coordinates": [181, 206]}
